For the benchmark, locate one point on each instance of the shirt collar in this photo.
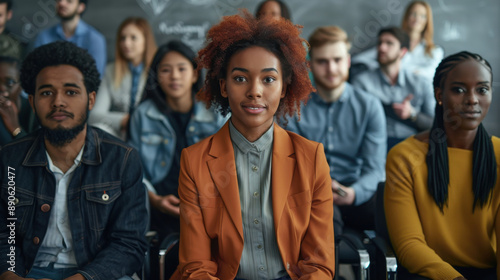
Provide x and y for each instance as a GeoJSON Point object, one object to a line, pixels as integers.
{"type": "Point", "coordinates": [136, 70]}
{"type": "Point", "coordinates": [400, 82]}
{"type": "Point", "coordinates": [261, 144]}
{"type": "Point", "coordinates": [343, 97]}
{"type": "Point", "coordinates": [81, 28]}
{"type": "Point", "coordinates": [56, 169]}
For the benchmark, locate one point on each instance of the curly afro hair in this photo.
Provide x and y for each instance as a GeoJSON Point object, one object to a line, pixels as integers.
{"type": "Point", "coordinates": [59, 53]}
{"type": "Point", "coordinates": [238, 32]}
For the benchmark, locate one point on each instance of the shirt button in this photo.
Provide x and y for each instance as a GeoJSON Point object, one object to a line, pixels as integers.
{"type": "Point", "coordinates": [45, 208]}
{"type": "Point", "coordinates": [191, 128]}
{"type": "Point", "coordinates": [255, 194]}
{"type": "Point", "coordinates": [255, 168]}
{"type": "Point", "coordinates": [331, 168]}
{"type": "Point", "coordinates": [163, 163]}
{"type": "Point", "coordinates": [330, 129]}
{"type": "Point", "coordinates": [256, 221]}
{"type": "Point", "coordinates": [261, 268]}
{"type": "Point", "coordinates": [36, 240]}
{"type": "Point", "coordinates": [16, 201]}
{"type": "Point", "coordinates": [259, 247]}
{"type": "Point", "coordinates": [165, 141]}
{"type": "Point", "coordinates": [330, 147]}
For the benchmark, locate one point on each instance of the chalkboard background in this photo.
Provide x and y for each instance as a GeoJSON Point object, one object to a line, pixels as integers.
{"type": "Point", "coordinates": [458, 24]}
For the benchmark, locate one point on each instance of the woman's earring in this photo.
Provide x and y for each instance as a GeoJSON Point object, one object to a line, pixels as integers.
{"type": "Point", "coordinates": [440, 103]}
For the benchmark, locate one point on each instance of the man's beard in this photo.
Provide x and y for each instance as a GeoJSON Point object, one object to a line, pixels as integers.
{"type": "Point", "coordinates": [60, 136]}
{"type": "Point", "coordinates": [68, 18]}
{"type": "Point", "coordinates": [389, 61]}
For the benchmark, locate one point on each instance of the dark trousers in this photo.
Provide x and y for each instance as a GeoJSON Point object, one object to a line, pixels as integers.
{"type": "Point", "coordinates": [470, 273]}
{"type": "Point", "coordinates": [361, 217]}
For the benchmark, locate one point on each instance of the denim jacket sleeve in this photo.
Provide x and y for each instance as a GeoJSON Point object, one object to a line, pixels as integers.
{"type": "Point", "coordinates": [125, 252]}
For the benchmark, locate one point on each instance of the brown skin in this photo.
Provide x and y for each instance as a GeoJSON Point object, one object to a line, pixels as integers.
{"type": "Point", "coordinates": [254, 86]}
{"type": "Point", "coordinates": [466, 98]}
{"type": "Point", "coordinates": [10, 90]}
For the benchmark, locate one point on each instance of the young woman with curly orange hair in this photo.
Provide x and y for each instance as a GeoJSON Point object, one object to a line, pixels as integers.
{"type": "Point", "coordinates": [256, 200]}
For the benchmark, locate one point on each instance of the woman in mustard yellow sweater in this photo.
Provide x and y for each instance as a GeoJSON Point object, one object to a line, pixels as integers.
{"type": "Point", "coordinates": [441, 198]}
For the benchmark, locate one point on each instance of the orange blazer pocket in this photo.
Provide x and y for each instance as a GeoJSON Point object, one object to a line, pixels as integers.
{"type": "Point", "coordinates": [212, 208]}
{"type": "Point", "coordinates": [299, 199]}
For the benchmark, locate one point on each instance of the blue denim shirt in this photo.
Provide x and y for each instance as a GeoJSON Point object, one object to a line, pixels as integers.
{"type": "Point", "coordinates": [86, 37]}
{"type": "Point", "coordinates": [376, 83]}
{"type": "Point", "coordinates": [353, 132]}
{"type": "Point", "coordinates": [106, 205]}
{"type": "Point", "coordinates": [154, 137]}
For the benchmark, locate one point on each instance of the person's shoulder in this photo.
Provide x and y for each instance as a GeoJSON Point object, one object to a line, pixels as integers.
{"type": "Point", "coordinates": [107, 140]}
{"type": "Point", "coordinates": [364, 96]}
{"type": "Point", "coordinates": [17, 149]}
{"type": "Point", "coordinates": [409, 148]}
{"type": "Point", "coordinates": [496, 145]}
{"type": "Point", "coordinates": [92, 30]}
{"type": "Point", "coordinates": [302, 144]}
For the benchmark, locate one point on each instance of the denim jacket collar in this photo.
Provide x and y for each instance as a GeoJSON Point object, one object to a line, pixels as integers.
{"type": "Point", "coordinates": [200, 113]}
{"type": "Point", "coordinates": [36, 155]}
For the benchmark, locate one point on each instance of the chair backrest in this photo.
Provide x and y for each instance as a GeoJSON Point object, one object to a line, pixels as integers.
{"type": "Point", "coordinates": [380, 222]}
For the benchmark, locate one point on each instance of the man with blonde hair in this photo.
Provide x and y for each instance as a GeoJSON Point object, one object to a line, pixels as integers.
{"type": "Point", "coordinates": [351, 125]}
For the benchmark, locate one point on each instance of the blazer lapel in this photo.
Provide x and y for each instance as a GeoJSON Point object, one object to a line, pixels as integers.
{"type": "Point", "coordinates": [223, 172]}
{"type": "Point", "coordinates": [283, 166]}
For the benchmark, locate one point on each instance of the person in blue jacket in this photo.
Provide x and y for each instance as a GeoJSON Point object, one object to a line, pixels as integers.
{"type": "Point", "coordinates": [168, 120]}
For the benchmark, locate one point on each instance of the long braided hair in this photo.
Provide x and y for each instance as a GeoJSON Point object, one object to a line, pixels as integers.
{"type": "Point", "coordinates": [484, 162]}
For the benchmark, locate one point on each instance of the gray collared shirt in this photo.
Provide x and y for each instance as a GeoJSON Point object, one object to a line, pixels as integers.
{"type": "Point", "coordinates": [57, 246]}
{"type": "Point", "coordinates": [376, 83]}
{"type": "Point", "coordinates": [261, 258]}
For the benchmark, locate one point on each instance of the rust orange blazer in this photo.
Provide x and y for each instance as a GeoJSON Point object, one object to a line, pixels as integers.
{"type": "Point", "coordinates": [211, 241]}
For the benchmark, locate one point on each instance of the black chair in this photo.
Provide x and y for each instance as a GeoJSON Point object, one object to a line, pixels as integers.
{"type": "Point", "coordinates": [349, 249]}
{"type": "Point", "coordinates": [169, 255]}
{"type": "Point", "coordinates": [384, 256]}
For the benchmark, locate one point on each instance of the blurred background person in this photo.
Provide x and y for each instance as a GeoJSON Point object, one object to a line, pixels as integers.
{"type": "Point", "coordinates": [123, 83]}
{"type": "Point", "coordinates": [423, 55]}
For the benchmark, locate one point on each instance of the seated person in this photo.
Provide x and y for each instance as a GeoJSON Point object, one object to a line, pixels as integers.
{"type": "Point", "coordinates": [17, 118]}
{"type": "Point", "coordinates": [407, 98]}
{"type": "Point", "coordinates": [442, 195]}
{"type": "Point", "coordinates": [124, 79]}
{"type": "Point", "coordinates": [423, 55]}
{"type": "Point", "coordinates": [167, 121]}
{"type": "Point", "coordinates": [350, 123]}
{"type": "Point", "coordinates": [256, 200]}
{"type": "Point", "coordinates": [75, 30]}
{"type": "Point", "coordinates": [76, 199]}
{"type": "Point", "coordinates": [10, 45]}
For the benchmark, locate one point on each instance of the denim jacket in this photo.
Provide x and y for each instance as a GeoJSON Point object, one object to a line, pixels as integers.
{"type": "Point", "coordinates": [154, 137]}
{"type": "Point", "coordinates": [108, 230]}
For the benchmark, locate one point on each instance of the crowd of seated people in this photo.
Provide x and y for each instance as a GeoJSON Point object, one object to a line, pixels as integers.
{"type": "Point", "coordinates": [258, 151]}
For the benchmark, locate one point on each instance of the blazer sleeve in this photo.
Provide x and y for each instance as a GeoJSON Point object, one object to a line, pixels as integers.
{"type": "Point", "coordinates": [195, 258]}
{"type": "Point", "coordinates": [317, 256]}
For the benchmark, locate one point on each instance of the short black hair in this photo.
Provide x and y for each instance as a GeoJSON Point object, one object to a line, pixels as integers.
{"type": "Point", "coordinates": [9, 4]}
{"type": "Point", "coordinates": [11, 60]}
{"type": "Point", "coordinates": [59, 53]}
{"type": "Point", "coordinates": [397, 32]}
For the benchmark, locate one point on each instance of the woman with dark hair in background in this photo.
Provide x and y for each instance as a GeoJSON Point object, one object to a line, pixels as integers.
{"type": "Point", "coordinates": [168, 120]}
{"type": "Point", "coordinates": [123, 82]}
{"type": "Point", "coordinates": [442, 199]}
{"type": "Point", "coordinates": [274, 9]}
